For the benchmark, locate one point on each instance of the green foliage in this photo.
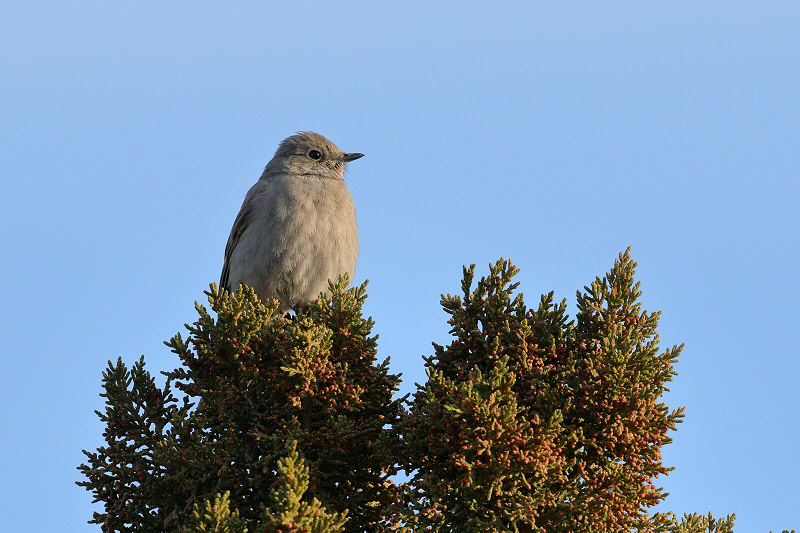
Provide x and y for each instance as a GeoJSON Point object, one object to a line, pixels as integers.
{"type": "Point", "coordinates": [286, 513]}
{"type": "Point", "coordinates": [528, 421]}
{"type": "Point", "coordinates": [216, 518]}
{"type": "Point", "coordinates": [565, 435]}
{"type": "Point", "coordinates": [694, 523]}
{"type": "Point", "coordinates": [252, 382]}
{"type": "Point", "coordinates": [126, 473]}
{"type": "Point", "coordinates": [486, 466]}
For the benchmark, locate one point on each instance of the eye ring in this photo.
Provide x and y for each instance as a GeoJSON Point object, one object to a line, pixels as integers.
{"type": "Point", "coordinates": [314, 154]}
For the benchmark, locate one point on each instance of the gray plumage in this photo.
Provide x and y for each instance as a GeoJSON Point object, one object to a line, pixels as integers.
{"type": "Point", "coordinates": [297, 226]}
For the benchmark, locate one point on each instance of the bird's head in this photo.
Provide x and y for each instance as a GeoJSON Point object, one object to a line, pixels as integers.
{"type": "Point", "coordinates": [310, 154]}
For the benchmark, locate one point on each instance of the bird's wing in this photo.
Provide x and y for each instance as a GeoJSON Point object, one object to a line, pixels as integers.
{"type": "Point", "coordinates": [241, 223]}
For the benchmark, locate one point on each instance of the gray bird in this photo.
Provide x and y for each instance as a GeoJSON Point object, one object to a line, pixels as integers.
{"type": "Point", "coordinates": [297, 226]}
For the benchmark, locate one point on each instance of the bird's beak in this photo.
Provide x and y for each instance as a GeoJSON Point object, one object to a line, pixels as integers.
{"type": "Point", "coordinates": [350, 157]}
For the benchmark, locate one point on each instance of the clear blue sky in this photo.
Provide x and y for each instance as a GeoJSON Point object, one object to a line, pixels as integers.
{"type": "Point", "coordinates": [557, 134]}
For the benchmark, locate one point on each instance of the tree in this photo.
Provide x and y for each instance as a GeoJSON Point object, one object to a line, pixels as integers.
{"type": "Point", "coordinates": [252, 383]}
{"type": "Point", "coordinates": [528, 422]}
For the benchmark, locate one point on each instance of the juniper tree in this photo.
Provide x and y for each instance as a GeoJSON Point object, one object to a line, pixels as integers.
{"type": "Point", "coordinates": [565, 434]}
{"type": "Point", "coordinates": [528, 422]}
{"type": "Point", "coordinates": [251, 382]}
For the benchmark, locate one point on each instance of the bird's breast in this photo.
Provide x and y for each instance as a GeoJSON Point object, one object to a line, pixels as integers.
{"type": "Point", "coordinates": [322, 235]}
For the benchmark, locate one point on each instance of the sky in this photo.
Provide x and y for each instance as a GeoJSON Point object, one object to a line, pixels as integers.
{"type": "Point", "coordinates": [556, 134]}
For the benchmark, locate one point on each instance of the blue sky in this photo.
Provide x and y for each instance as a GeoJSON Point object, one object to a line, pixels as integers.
{"type": "Point", "coordinates": [556, 134]}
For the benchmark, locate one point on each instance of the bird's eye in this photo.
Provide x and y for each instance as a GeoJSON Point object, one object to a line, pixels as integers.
{"type": "Point", "coordinates": [315, 155]}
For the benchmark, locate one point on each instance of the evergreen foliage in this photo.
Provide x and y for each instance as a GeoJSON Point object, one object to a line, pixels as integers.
{"type": "Point", "coordinates": [697, 523]}
{"type": "Point", "coordinates": [252, 383]}
{"type": "Point", "coordinates": [571, 438]}
{"type": "Point", "coordinates": [528, 422]}
{"type": "Point", "coordinates": [216, 518]}
{"type": "Point", "coordinates": [694, 523]}
{"type": "Point", "coordinates": [287, 513]}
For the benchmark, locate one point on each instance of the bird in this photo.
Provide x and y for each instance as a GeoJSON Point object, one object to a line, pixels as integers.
{"type": "Point", "coordinates": [297, 226]}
